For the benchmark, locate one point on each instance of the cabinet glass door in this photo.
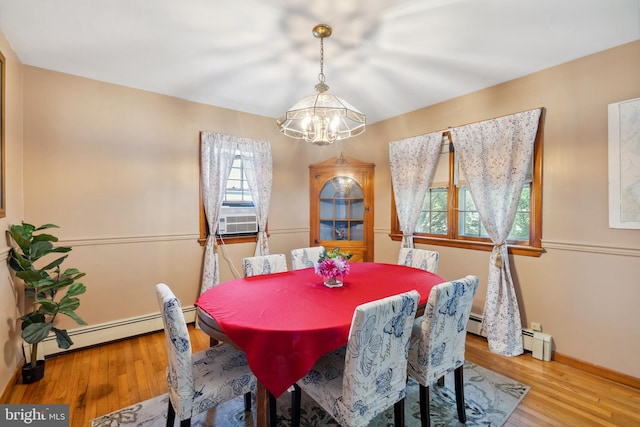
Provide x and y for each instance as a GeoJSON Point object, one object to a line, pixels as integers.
{"type": "Point", "coordinates": [342, 210]}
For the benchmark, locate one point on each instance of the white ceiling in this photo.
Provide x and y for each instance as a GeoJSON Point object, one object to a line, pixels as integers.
{"type": "Point", "coordinates": [385, 57]}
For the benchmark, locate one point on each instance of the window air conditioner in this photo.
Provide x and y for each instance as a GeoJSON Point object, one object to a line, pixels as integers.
{"type": "Point", "coordinates": [237, 220]}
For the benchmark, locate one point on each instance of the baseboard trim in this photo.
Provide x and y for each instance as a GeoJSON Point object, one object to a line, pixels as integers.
{"type": "Point", "coordinates": [591, 368]}
{"type": "Point", "coordinates": [600, 371]}
{"type": "Point", "coordinates": [105, 332]}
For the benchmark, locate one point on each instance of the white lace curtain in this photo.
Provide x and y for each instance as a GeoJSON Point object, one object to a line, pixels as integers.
{"type": "Point", "coordinates": [258, 168]}
{"type": "Point", "coordinates": [413, 164]}
{"type": "Point", "coordinates": [217, 152]}
{"type": "Point", "coordinates": [495, 156]}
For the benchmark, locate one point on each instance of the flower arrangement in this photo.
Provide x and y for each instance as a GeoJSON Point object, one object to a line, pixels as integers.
{"type": "Point", "coordinates": [333, 266]}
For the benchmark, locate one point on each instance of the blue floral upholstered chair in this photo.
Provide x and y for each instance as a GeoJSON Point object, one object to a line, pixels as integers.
{"type": "Point", "coordinates": [357, 382]}
{"type": "Point", "coordinates": [419, 258]}
{"type": "Point", "coordinates": [264, 264]}
{"type": "Point", "coordinates": [202, 380]}
{"type": "Point", "coordinates": [438, 340]}
{"type": "Point", "coordinates": [305, 257]}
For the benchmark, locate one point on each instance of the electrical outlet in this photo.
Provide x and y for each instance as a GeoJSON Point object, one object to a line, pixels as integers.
{"type": "Point", "coordinates": [535, 326]}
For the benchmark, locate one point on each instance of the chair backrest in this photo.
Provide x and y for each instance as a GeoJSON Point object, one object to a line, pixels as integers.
{"type": "Point", "coordinates": [180, 368]}
{"type": "Point", "coordinates": [305, 257]}
{"type": "Point", "coordinates": [419, 258]}
{"type": "Point", "coordinates": [437, 344]}
{"type": "Point", "coordinates": [376, 358]}
{"type": "Point", "coordinates": [264, 264]}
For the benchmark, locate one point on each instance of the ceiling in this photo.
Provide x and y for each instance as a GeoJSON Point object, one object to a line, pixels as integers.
{"type": "Point", "coordinates": [385, 57]}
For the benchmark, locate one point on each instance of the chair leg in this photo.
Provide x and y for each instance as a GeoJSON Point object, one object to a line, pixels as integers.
{"type": "Point", "coordinates": [398, 413]}
{"type": "Point", "coordinates": [171, 415]}
{"type": "Point", "coordinates": [273, 416]}
{"type": "Point", "coordinates": [247, 401]}
{"type": "Point", "coordinates": [441, 381]}
{"type": "Point", "coordinates": [459, 388]}
{"type": "Point", "coordinates": [424, 406]}
{"type": "Point", "coordinates": [296, 396]}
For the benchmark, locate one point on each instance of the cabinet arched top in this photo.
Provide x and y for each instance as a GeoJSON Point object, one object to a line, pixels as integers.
{"type": "Point", "coordinates": [341, 187]}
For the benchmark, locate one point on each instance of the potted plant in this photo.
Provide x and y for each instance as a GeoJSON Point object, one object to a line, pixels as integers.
{"type": "Point", "coordinates": [54, 291]}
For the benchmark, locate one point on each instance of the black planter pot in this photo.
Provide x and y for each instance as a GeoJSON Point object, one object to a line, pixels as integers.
{"type": "Point", "coordinates": [31, 375]}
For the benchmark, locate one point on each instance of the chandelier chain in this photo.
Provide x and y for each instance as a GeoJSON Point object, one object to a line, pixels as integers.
{"type": "Point", "coordinates": [321, 75]}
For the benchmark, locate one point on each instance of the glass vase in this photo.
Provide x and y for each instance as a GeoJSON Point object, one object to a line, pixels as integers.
{"type": "Point", "coordinates": [334, 282]}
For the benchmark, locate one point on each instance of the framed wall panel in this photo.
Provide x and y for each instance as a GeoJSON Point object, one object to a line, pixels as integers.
{"type": "Point", "coordinates": [3, 207]}
{"type": "Point", "coordinates": [624, 164]}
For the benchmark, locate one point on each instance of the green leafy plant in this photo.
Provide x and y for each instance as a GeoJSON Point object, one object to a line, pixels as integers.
{"type": "Point", "coordinates": [334, 253]}
{"type": "Point", "coordinates": [54, 291]}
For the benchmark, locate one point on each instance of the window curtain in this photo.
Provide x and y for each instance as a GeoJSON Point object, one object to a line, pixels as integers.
{"type": "Point", "coordinates": [413, 164]}
{"type": "Point", "coordinates": [217, 152]}
{"type": "Point", "coordinates": [495, 156]}
{"type": "Point", "coordinates": [258, 164]}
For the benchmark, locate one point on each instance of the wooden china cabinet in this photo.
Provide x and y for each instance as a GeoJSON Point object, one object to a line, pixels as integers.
{"type": "Point", "coordinates": [341, 210]}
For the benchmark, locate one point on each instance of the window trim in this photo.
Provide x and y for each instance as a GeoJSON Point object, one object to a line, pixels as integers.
{"type": "Point", "coordinates": [534, 249]}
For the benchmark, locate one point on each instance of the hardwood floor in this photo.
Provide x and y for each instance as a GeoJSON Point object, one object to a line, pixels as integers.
{"type": "Point", "coordinates": [560, 395]}
{"type": "Point", "coordinates": [102, 379]}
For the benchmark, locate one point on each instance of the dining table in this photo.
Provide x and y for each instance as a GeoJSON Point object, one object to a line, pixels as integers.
{"type": "Point", "coordinates": [284, 322]}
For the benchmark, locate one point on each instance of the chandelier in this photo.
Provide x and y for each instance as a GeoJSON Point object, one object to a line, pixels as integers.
{"type": "Point", "coordinates": [322, 118]}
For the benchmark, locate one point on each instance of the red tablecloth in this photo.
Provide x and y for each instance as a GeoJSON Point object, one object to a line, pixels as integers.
{"type": "Point", "coordinates": [285, 321]}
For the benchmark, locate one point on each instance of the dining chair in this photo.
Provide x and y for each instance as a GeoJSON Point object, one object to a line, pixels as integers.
{"type": "Point", "coordinates": [357, 382]}
{"type": "Point", "coordinates": [419, 258]}
{"type": "Point", "coordinates": [264, 264]}
{"type": "Point", "coordinates": [203, 380]}
{"type": "Point", "coordinates": [438, 340]}
{"type": "Point", "coordinates": [305, 257]}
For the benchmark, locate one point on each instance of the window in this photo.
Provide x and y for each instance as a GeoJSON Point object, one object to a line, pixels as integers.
{"type": "Point", "coordinates": [449, 216]}
{"type": "Point", "coordinates": [238, 215]}
{"type": "Point", "coordinates": [237, 192]}
{"type": "Point", "coordinates": [433, 217]}
{"type": "Point", "coordinates": [238, 221]}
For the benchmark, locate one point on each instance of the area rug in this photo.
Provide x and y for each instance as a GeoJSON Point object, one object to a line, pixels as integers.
{"type": "Point", "coordinates": [489, 398]}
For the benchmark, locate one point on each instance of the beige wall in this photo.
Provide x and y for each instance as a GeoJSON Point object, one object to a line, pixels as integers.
{"type": "Point", "coordinates": [585, 288]}
{"type": "Point", "coordinates": [117, 169]}
{"type": "Point", "coordinates": [9, 296]}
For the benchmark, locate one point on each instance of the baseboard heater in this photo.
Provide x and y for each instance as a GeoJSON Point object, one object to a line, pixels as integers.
{"type": "Point", "coordinates": [538, 343]}
{"type": "Point", "coordinates": [87, 336]}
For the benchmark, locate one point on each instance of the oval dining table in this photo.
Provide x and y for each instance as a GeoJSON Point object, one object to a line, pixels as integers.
{"type": "Point", "coordinates": [285, 322]}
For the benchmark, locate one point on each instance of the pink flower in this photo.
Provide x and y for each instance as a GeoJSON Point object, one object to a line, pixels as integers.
{"type": "Point", "coordinates": [330, 268]}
